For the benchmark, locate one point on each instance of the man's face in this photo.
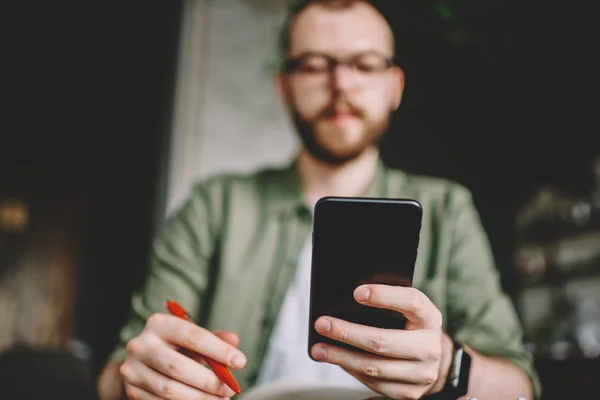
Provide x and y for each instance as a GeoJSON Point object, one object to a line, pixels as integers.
{"type": "Point", "coordinates": [340, 88]}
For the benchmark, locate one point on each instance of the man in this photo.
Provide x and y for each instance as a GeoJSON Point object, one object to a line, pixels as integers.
{"type": "Point", "coordinates": [237, 255]}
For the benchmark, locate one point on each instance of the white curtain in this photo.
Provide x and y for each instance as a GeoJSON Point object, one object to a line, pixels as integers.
{"type": "Point", "coordinates": [227, 115]}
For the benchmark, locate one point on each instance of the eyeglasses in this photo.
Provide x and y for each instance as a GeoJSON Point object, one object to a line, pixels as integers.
{"type": "Point", "coordinates": [318, 65]}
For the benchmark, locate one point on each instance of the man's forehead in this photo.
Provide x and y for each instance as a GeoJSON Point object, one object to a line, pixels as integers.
{"type": "Point", "coordinates": [340, 31]}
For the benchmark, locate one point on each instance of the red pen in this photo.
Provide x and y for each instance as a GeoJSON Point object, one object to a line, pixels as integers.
{"type": "Point", "coordinates": [219, 369]}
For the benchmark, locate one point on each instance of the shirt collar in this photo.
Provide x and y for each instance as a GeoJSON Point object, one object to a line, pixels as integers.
{"type": "Point", "coordinates": [284, 189]}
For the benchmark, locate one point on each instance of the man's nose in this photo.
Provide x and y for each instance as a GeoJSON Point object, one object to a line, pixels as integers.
{"type": "Point", "coordinates": [343, 78]}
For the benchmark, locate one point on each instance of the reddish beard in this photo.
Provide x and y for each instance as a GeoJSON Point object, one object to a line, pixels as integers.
{"type": "Point", "coordinates": [372, 133]}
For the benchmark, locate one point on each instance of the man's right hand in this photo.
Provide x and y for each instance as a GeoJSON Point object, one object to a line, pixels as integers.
{"type": "Point", "coordinates": [155, 369]}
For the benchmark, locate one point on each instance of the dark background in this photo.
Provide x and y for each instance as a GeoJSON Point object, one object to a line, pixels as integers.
{"type": "Point", "coordinates": [90, 91]}
{"type": "Point", "coordinates": [500, 98]}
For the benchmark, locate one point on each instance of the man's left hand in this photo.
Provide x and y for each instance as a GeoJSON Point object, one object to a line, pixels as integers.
{"type": "Point", "coordinates": [400, 364]}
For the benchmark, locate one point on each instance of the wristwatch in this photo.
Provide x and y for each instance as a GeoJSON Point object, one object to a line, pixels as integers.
{"type": "Point", "coordinates": [457, 383]}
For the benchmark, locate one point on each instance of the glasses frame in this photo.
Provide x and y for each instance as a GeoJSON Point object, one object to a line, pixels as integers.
{"type": "Point", "coordinates": [292, 64]}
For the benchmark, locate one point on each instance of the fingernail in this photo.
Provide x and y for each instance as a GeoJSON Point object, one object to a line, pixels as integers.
{"type": "Point", "coordinates": [238, 360]}
{"type": "Point", "coordinates": [320, 353]}
{"type": "Point", "coordinates": [226, 392]}
{"type": "Point", "coordinates": [323, 325]}
{"type": "Point", "coordinates": [362, 294]}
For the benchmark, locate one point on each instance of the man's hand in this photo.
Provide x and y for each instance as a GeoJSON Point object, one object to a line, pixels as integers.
{"type": "Point", "coordinates": [400, 364]}
{"type": "Point", "coordinates": [155, 369]}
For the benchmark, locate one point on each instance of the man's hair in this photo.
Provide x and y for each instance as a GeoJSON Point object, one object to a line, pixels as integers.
{"type": "Point", "coordinates": [300, 5]}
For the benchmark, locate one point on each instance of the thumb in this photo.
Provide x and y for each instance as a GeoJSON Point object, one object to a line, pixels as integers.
{"type": "Point", "coordinates": [230, 337]}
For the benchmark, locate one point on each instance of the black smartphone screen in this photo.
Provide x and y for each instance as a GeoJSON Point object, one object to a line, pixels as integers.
{"type": "Point", "coordinates": [358, 241]}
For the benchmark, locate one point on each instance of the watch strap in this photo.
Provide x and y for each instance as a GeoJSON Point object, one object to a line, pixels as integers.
{"type": "Point", "coordinates": [457, 383]}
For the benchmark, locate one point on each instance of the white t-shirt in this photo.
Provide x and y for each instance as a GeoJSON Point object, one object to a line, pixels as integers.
{"type": "Point", "coordinates": [287, 356]}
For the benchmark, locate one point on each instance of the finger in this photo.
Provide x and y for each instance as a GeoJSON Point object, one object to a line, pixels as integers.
{"type": "Point", "coordinates": [395, 343]}
{"type": "Point", "coordinates": [194, 356]}
{"type": "Point", "coordinates": [230, 337]}
{"type": "Point", "coordinates": [412, 303]}
{"type": "Point", "coordinates": [192, 337]}
{"type": "Point", "coordinates": [372, 366]}
{"type": "Point", "coordinates": [135, 393]}
{"type": "Point", "coordinates": [144, 377]}
{"type": "Point", "coordinates": [392, 390]}
{"type": "Point", "coordinates": [154, 355]}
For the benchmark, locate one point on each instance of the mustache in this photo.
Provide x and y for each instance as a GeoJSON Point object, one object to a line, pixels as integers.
{"type": "Point", "coordinates": [342, 105]}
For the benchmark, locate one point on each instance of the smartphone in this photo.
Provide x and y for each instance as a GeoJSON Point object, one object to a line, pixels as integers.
{"type": "Point", "coordinates": [358, 241]}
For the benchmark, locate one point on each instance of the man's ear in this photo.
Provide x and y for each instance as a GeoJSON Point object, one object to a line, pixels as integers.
{"type": "Point", "coordinates": [398, 87]}
{"type": "Point", "coordinates": [282, 88]}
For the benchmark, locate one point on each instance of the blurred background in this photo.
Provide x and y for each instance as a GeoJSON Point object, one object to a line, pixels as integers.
{"type": "Point", "coordinates": [115, 108]}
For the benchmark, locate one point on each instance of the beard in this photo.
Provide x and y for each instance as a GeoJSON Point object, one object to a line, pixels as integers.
{"type": "Point", "coordinates": [319, 146]}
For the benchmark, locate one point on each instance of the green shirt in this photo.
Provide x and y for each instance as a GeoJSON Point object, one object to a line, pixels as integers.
{"type": "Point", "coordinates": [229, 254]}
